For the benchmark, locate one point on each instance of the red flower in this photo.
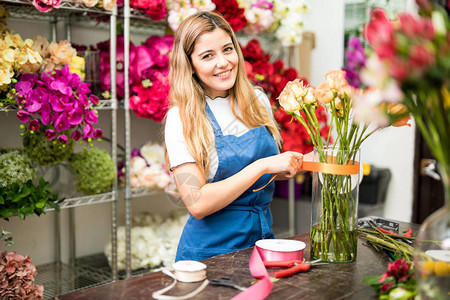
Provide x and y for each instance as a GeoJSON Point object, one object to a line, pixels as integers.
{"type": "Point", "coordinates": [230, 10]}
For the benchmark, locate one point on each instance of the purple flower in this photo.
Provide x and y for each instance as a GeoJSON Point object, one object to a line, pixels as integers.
{"type": "Point", "coordinates": [45, 115]}
{"type": "Point", "coordinates": [75, 117]}
{"type": "Point", "coordinates": [76, 135]}
{"type": "Point", "coordinates": [62, 122]}
{"type": "Point", "coordinates": [57, 104]}
{"type": "Point", "coordinates": [135, 152]}
{"type": "Point", "coordinates": [87, 131]}
{"type": "Point", "coordinates": [91, 116]}
{"type": "Point", "coordinates": [98, 133]}
{"type": "Point", "coordinates": [94, 99]}
{"type": "Point", "coordinates": [62, 138]}
{"type": "Point", "coordinates": [61, 86]}
{"type": "Point", "coordinates": [50, 134]}
{"type": "Point", "coordinates": [34, 125]}
{"type": "Point", "coordinates": [23, 116]}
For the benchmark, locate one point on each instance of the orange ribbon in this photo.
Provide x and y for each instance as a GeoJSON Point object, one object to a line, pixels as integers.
{"type": "Point", "coordinates": [329, 168]}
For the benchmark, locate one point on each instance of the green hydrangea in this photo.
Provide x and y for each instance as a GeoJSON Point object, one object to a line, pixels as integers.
{"type": "Point", "coordinates": [15, 166]}
{"type": "Point", "coordinates": [46, 152]}
{"type": "Point", "coordinates": [95, 170]}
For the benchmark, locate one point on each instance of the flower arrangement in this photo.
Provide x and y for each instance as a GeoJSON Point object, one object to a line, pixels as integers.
{"type": "Point", "coordinates": [398, 282]}
{"type": "Point", "coordinates": [232, 12]}
{"type": "Point", "coordinates": [412, 60]}
{"type": "Point", "coordinates": [333, 235]}
{"type": "Point", "coordinates": [46, 6]}
{"type": "Point", "coordinates": [94, 169]}
{"type": "Point", "coordinates": [289, 21]}
{"type": "Point", "coordinates": [408, 58]}
{"type": "Point", "coordinates": [154, 241]}
{"type": "Point", "coordinates": [17, 277]}
{"type": "Point", "coordinates": [26, 199]}
{"type": "Point", "coordinates": [155, 9]}
{"type": "Point", "coordinates": [147, 168]}
{"type": "Point", "coordinates": [40, 149]}
{"type": "Point", "coordinates": [15, 166]}
{"type": "Point", "coordinates": [259, 16]}
{"type": "Point", "coordinates": [59, 100]}
{"type": "Point", "coordinates": [180, 10]}
{"type": "Point", "coordinates": [149, 69]}
{"type": "Point", "coordinates": [273, 77]}
{"type": "Point", "coordinates": [20, 197]}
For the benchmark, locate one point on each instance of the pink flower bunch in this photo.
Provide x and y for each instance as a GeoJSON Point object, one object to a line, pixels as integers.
{"type": "Point", "coordinates": [46, 5]}
{"type": "Point", "coordinates": [17, 278]}
{"type": "Point", "coordinates": [58, 100]}
{"type": "Point", "coordinates": [156, 9]}
{"type": "Point", "coordinates": [405, 46]}
{"type": "Point", "coordinates": [149, 69]}
{"type": "Point", "coordinates": [399, 272]}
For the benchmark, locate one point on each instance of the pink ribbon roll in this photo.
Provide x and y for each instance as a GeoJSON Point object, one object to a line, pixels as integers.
{"type": "Point", "coordinates": [269, 250]}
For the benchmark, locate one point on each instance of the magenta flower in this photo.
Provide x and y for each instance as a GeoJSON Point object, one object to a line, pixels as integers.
{"type": "Point", "coordinates": [75, 117]}
{"type": "Point", "coordinates": [87, 131]}
{"type": "Point", "coordinates": [98, 133]}
{"type": "Point", "coordinates": [34, 125]}
{"type": "Point", "coordinates": [62, 139]}
{"type": "Point", "coordinates": [23, 116]}
{"type": "Point", "coordinates": [76, 135]}
{"type": "Point", "coordinates": [57, 99]}
{"type": "Point", "coordinates": [46, 5]}
{"type": "Point", "coordinates": [94, 99]}
{"type": "Point", "coordinates": [50, 134]}
{"type": "Point", "coordinates": [62, 122]}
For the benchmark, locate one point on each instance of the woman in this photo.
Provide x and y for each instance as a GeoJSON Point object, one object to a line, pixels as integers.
{"type": "Point", "coordinates": [221, 142]}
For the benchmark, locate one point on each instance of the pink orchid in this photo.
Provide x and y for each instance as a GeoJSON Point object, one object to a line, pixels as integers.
{"type": "Point", "coordinates": [46, 5]}
{"type": "Point", "coordinates": [50, 134]}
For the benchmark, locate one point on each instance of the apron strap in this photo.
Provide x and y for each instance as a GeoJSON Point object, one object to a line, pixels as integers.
{"type": "Point", "coordinates": [213, 121]}
{"type": "Point", "coordinates": [265, 229]}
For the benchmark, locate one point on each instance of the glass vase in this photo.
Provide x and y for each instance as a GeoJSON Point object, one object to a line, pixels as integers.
{"type": "Point", "coordinates": [432, 256]}
{"type": "Point", "coordinates": [334, 208]}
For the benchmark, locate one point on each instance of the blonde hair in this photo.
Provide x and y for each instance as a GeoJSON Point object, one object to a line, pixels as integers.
{"type": "Point", "coordinates": [188, 95]}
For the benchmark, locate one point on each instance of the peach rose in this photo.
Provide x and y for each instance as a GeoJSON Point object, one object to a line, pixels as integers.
{"type": "Point", "coordinates": [323, 93]}
{"type": "Point", "coordinates": [61, 53]}
{"type": "Point", "coordinates": [288, 102]}
{"type": "Point", "coordinates": [90, 3]}
{"type": "Point", "coordinates": [336, 79]}
{"type": "Point", "coordinates": [109, 4]}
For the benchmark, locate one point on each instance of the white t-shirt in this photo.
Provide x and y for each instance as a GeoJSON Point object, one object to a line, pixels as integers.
{"type": "Point", "coordinates": [174, 138]}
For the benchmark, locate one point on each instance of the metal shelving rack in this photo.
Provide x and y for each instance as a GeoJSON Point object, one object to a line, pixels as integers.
{"type": "Point", "coordinates": [89, 271]}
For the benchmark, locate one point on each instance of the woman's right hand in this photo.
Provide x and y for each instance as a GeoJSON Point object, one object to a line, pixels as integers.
{"type": "Point", "coordinates": [286, 164]}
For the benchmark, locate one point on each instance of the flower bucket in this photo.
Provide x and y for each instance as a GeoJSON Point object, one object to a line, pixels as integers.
{"type": "Point", "coordinates": [334, 207]}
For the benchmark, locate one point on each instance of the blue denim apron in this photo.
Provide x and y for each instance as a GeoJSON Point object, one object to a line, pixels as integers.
{"type": "Point", "coordinates": [245, 220]}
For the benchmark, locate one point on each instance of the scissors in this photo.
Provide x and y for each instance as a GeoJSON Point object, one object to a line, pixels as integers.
{"type": "Point", "coordinates": [295, 266]}
{"type": "Point", "coordinates": [226, 281]}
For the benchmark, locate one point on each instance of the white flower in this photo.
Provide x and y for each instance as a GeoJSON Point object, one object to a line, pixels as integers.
{"type": "Point", "coordinates": [137, 165]}
{"type": "Point", "coordinates": [153, 153]}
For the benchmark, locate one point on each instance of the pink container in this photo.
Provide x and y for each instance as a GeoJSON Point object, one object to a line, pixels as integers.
{"type": "Point", "coordinates": [280, 249]}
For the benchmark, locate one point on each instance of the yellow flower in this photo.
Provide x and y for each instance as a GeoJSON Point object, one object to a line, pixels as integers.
{"type": "Point", "coordinates": [41, 45]}
{"type": "Point", "coordinates": [6, 72]}
{"type": "Point", "coordinates": [77, 66]}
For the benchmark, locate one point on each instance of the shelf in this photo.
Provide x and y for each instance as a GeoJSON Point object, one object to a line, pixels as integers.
{"type": "Point", "coordinates": [141, 192]}
{"type": "Point", "coordinates": [61, 278]}
{"type": "Point", "coordinates": [85, 200]}
{"type": "Point", "coordinates": [24, 9]}
{"type": "Point", "coordinates": [102, 105]}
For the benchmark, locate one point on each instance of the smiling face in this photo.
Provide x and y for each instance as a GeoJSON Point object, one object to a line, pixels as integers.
{"type": "Point", "coordinates": [215, 62]}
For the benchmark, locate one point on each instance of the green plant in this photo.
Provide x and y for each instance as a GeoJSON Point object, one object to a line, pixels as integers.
{"type": "Point", "coordinates": [15, 166]}
{"type": "Point", "coordinates": [44, 151]}
{"type": "Point", "coordinates": [26, 199]}
{"type": "Point", "coordinates": [95, 170]}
